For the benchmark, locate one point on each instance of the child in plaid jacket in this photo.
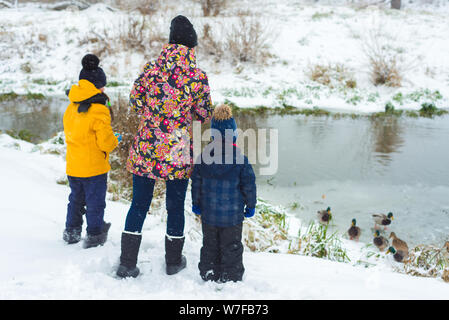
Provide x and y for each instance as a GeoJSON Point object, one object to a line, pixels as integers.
{"type": "Point", "coordinates": [223, 193]}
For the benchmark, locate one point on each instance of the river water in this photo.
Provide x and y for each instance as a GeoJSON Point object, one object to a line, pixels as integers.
{"type": "Point", "coordinates": [356, 166]}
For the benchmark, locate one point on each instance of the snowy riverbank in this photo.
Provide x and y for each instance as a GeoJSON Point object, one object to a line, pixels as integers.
{"type": "Point", "coordinates": [302, 37]}
{"type": "Point", "coordinates": [37, 264]}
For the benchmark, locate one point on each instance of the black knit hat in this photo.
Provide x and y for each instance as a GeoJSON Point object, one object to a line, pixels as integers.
{"type": "Point", "coordinates": [92, 72]}
{"type": "Point", "coordinates": [182, 32]}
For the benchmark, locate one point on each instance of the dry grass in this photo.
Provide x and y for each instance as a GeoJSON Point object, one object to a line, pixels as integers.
{"type": "Point", "coordinates": [332, 75]}
{"type": "Point", "coordinates": [384, 58]}
{"type": "Point", "coordinates": [210, 43]}
{"type": "Point", "coordinates": [212, 8]}
{"type": "Point", "coordinates": [247, 41]}
{"type": "Point", "coordinates": [445, 275]}
{"type": "Point", "coordinates": [144, 7]}
{"type": "Point", "coordinates": [427, 261]}
{"type": "Point", "coordinates": [137, 33]}
{"type": "Point", "coordinates": [385, 71]}
{"type": "Point", "coordinates": [126, 122]}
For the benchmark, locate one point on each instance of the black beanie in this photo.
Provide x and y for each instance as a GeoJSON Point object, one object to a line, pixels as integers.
{"type": "Point", "coordinates": [92, 72]}
{"type": "Point", "coordinates": [182, 32]}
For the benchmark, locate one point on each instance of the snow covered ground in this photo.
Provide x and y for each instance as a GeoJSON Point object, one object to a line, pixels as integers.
{"type": "Point", "coordinates": [37, 264]}
{"type": "Point", "coordinates": [42, 49]}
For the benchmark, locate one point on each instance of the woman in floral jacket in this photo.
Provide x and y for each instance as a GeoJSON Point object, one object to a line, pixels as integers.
{"type": "Point", "coordinates": [169, 95]}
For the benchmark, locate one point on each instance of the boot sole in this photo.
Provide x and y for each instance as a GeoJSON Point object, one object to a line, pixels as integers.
{"type": "Point", "coordinates": [124, 272]}
{"type": "Point", "coordinates": [173, 269]}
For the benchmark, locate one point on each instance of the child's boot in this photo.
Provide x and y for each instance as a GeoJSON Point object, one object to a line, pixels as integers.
{"type": "Point", "coordinates": [72, 235]}
{"type": "Point", "coordinates": [98, 239]}
{"type": "Point", "coordinates": [128, 259]}
{"type": "Point", "coordinates": [174, 259]}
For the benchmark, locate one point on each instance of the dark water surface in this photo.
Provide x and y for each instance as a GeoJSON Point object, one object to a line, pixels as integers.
{"type": "Point", "coordinates": [355, 166]}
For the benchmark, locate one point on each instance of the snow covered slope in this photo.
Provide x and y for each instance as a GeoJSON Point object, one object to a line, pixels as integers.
{"type": "Point", "coordinates": [35, 263]}
{"type": "Point", "coordinates": [42, 50]}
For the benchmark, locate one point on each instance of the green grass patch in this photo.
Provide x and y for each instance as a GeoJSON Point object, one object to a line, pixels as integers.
{"type": "Point", "coordinates": [318, 242]}
{"type": "Point", "coordinates": [41, 82]}
{"type": "Point", "coordinates": [429, 110]}
{"type": "Point", "coordinates": [112, 84]}
{"type": "Point", "coordinates": [24, 135]}
{"type": "Point", "coordinates": [8, 96]}
{"type": "Point", "coordinates": [321, 15]}
{"type": "Point", "coordinates": [34, 96]}
{"type": "Point", "coordinates": [29, 96]}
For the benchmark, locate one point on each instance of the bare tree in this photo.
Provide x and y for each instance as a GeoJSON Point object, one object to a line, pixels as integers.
{"type": "Point", "coordinates": [396, 4]}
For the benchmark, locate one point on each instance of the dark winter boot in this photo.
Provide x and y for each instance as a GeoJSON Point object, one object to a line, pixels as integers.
{"type": "Point", "coordinates": [72, 235]}
{"type": "Point", "coordinates": [98, 239]}
{"type": "Point", "coordinates": [174, 259]}
{"type": "Point", "coordinates": [128, 259]}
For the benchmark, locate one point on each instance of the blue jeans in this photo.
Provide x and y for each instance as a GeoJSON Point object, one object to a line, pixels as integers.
{"type": "Point", "coordinates": [89, 192]}
{"type": "Point", "coordinates": [143, 194]}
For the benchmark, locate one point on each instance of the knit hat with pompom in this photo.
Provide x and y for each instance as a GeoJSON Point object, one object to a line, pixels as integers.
{"type": "Point", "coordinates": [92, 72]}
{"type": "Point", "coordinates": [222, 120]}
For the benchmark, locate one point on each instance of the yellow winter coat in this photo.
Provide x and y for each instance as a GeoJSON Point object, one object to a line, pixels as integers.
{"type": "Point", "coordinates": [88, 135]}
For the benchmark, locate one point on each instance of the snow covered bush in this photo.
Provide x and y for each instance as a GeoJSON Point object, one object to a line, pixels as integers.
{"type": "Point", "coordinates": [132, 33]}
{"type": "Point", "coordinates": [383, 62]}
{"type": "Point", "coordinates": [247, 41]}
{"type": "Point", "coordinates": [267, 230]}
{"type": "Point", "coordinates": [210, 45]}
{"type": "Point", "coordinates": [426, 261]}
{"type": "Point", "coordinates": [126, 122]}
{"type": "Point", "coordinates": [244, 40]}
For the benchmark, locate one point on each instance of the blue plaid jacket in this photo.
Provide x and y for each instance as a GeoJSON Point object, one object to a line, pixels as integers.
{"type": "Point", "coordinates": [221, 191]}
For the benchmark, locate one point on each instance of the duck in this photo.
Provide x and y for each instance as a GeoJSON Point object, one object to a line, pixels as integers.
{"type": "Point", "coordinates": [399, 245]}
{"type": "Point", "coordinates": [354, 232]}
{"type": "Point", "coordinates": [324, 216]}
{"type": "Point", "coordinates": [398, 255]}
{"type": "Point", "coordinates": [379, 241]}
{"type": "Point", "coordinates": [382, 219]}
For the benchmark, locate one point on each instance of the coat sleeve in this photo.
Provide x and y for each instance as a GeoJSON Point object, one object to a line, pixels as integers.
{"type": "Point", "coordinates": [203, 102]}
{"type": "Point", "coordinates": [196, 185]}
{"type": "Point", "coordinates": [137, 95]}
{"type": "Point", "coordinates": [248, 185]}
{"type": "Point", "coordinates": [106, 140]}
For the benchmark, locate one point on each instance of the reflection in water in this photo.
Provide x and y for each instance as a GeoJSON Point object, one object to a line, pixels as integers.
{"type": "Point", "coordinates": [42, 118]}
{"type": "Point", "coordinates": [387, 138]}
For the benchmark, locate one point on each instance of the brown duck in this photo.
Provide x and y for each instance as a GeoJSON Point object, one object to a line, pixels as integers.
{"type": "Point", "coordinates": [400, 246]}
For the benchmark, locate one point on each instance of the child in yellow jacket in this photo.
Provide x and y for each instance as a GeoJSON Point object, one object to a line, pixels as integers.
{"type": "Point", "coordinates": [90, 139]}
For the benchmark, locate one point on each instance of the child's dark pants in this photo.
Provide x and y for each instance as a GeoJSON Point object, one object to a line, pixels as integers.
{"type": "Point", "coordinates": [142, 196]}
{"type": "Point", "coordinates": [221, 256]}
{"type": "Point", "coordinates": [89, 192]}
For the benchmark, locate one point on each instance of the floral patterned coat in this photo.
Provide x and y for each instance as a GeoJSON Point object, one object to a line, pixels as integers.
{"type": "Point", "coordinates": [169, 94]}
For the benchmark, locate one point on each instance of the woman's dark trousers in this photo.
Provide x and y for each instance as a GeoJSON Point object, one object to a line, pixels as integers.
{"type": "Point", "coordinates": [143, 188]}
